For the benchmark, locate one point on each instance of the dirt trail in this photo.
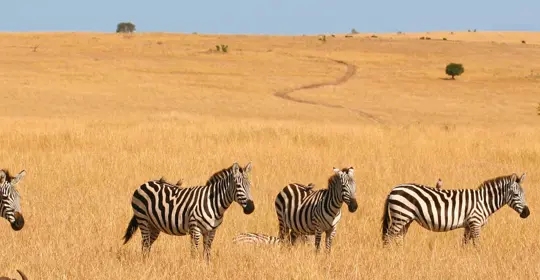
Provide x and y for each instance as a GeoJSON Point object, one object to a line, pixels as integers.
{"type": "Point", "coordinates": [351, 71]}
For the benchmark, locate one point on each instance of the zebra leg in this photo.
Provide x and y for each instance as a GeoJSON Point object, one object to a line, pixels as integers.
{"type": "Point", "coordinates": [330, 234]}
{"type": "Point", "coordinates": [284, 233]}
{"type": "Point", "coordinates": [318, 236]}
{"type": "Point", "coordinates": [466, 236]}
{"type": "Point", "coordinates": [401, 235]}
{"type": "Point", "coordinates": [149, 235]}
{"type": "Point", "coordinates": [208, 238]}
{"type": "Point", "coordinates": [195, 236]}
{"type": "Point", "coordinates": [475, 235]}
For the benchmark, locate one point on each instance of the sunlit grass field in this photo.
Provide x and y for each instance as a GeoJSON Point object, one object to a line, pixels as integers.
{"type": "Point", "coordinates": [92, 116]}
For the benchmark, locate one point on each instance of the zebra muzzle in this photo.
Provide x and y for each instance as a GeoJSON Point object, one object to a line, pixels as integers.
{"type": "Point", "coordinates": [352, 205]}
{"type": "Point", "coordinates": [18, 224]}
{"type": "Point", "coordinates": [249, 208]}
{"type": "Point", "coordinates": [525, 212]}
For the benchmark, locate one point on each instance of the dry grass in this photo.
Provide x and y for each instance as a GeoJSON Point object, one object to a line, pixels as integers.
{"type": "Point", "coordinates": [92, 116]}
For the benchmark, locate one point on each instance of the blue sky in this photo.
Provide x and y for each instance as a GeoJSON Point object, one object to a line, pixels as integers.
{"type": "Point", "coordinates": [270, 17]}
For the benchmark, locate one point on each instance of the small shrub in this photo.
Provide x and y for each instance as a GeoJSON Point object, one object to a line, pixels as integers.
{"type": "Point", "coordinates": [323, 38]}
{"type": "Point", "coordinates": [444, 38]}
{"type": "Point", "coordinates": [454, 69]}
{"type": "Point", "coordinates": [125, 27]}
{"type": "Point", "coordinates": [225, 48]}
{"type": "Point", "coordinates": [452, 33]}
{"type": "Point", "coordinates": [469, 30]}
{"type": "Point", "coordinates": [428, 38]}
{"type": "Point", "coordinates": [348, 36]}
{"type": "Point", "coordinates": [399, 33]}
{"type": "Point", "coordinates": [474, 30]}
{"type": "Point", "coordinates": [353, 31]}
{"type": "Point", "coordinates": [523, 42]}
{"type": "Point", "coordinates": [422, 38]}
{"type": "Point", "coordinates": [217, 48]}
{"type": "Point", "coordinates": [333, 36]}
{"type": "Point", "coordinates": [374, 36]}
{"type": "Point", "coordinates": [538, 109]}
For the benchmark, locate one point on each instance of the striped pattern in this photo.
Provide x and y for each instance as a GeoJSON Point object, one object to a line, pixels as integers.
{"type": "Point", "coordinates": [303, 211]}
{"type": "Point", "coordinates": [444, 210]}
{"type": "Point", "coordinates": [264, 239]}
{"type": "Point", "coordinates": [198, 211]}
{"type": "Point", "coordinates": [10, 205]}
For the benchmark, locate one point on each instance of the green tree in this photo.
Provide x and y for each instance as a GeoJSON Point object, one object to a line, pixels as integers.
{"type": "Point", "coordinates": [125, 27]}
{"type": "Point", "coordinates": [454, 69]}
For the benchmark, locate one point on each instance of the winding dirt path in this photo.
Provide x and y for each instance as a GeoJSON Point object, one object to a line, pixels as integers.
{"type": "Point", "coordinates": [351, 71]}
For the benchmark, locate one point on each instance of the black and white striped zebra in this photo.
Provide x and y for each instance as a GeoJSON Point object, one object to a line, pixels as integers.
{"type": "Point", "coordinates": [302, 211]}
{"type": "Point", "coordinates": [10, 200]}
{"type": "Point", "coordinates": [444, 210]}
{"type": "Point", "coordinates": [265, 239]}
{"type": "Point", "coordinates": [198, 211]}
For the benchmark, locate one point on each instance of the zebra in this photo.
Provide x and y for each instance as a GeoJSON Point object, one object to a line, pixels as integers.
{"type": "Point", "coordinates": [265, 239]}
{"type": "Point", "coordinates": [444, 210]}
{"type": "Point", "coordinates": [303, 211]}
{"type": "Point", "coordinates": [10, 205]}
{"type": "Point", "coordinates": [198, 211]}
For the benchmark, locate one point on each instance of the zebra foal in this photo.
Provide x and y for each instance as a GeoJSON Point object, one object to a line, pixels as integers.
{"type": "Point", "coordinates": [10, 205]}
{"type": "Point", "coordinates": [198, 211]}
{"type": "Point", "coordinates": [265, 239]}
{"type": "Point", "coordinates": [303, 211]}
{"type": "Point", "coordinates": [444, 210]}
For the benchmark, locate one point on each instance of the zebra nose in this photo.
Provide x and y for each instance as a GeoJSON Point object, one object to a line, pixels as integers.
{"type": "Point", "coordinates": [18, 224]}
{"type": "Point", "coordinates": [353, 205]}
{"type": "Point", "coordinates": [525, 212]}
{"type": "Point", "coordinates": [249, 208]}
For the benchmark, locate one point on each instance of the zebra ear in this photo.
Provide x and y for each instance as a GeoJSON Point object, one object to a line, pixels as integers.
{"type": "Point", "coordinates": [17, 178]}
{"type": "Point", "coordinates": [520, 180]}
{"type": "Point", "coordinates": [2, 176]}
{"type": "Point", "coordinates": [351, 171]}
{"type": "Point", "coordinates": [336, 170]}
{"type": "Point", "coordinates": [235, 168]}
{"type": "Point", "coordinates": [248, 167]}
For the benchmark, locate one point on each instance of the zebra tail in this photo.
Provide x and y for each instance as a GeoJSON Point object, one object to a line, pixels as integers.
{"type": "Point", "coordinates": [385, 218]}
{"type": "Point", "coordinates": [22, 275]}
{"type": "Point", "coordinates": [132, 227]}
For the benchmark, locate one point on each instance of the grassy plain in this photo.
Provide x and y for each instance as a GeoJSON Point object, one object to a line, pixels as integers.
{"type": "Point", "coordinates": [92, 116]}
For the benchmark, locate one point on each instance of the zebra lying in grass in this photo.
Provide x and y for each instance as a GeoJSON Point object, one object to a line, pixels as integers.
{"type": "Point", "coordinates": [444, 210]}
{"type": "Point", "coordinates": [265, 239]}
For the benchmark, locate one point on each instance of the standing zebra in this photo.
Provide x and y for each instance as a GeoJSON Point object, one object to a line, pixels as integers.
{"type": "Point", "coordinates": [199, 210]}
{"type": "Point", "coordinates": [10, 205]}
{"type": "Point", "coordinates": [306, 212]}
{"type": "Point", "coordinates": [444, 210]}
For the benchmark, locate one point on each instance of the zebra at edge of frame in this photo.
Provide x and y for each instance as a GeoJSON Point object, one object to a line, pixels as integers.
{"type": "Point", "coordinates": [10, 201]}
{"type": "Point", "coordinates": [444, 210]}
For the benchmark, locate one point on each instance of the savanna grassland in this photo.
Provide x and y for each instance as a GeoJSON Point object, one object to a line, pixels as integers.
{"type": "Point", "coordinates": [92, 116]}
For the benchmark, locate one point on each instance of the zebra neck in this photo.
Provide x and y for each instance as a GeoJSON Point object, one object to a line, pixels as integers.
{"type": "Point", "coordinates": [333, 199]}
{"type": "Point", "coordinates": [221, 194]}
{"type": "Point", "coordinates": [494, 196]}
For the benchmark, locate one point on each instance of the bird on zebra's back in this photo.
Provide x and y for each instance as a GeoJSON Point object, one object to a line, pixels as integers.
{"type": "Point", "coordinates": [197, 211]}
{"type": "Point", "coordinates": [445, 210]}
{"type": "Point", "coordinates": [301, 211]}
{"type": "Point", "coordinates": [439, 184]}
{"type": "Point", "coordinates": [162, 180]}
{"type": "Point", "coordinates": [20, 273]}
{"type": "Point", "coordinates": [10, 200]}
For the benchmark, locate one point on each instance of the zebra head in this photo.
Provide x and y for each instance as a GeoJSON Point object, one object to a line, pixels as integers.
{"type": "Point", "coordinates": [242, 183]}
{"type": "Point", "coordinates": [515, 196]}
{"type": "Point", "coordinates": [348, 187]}
{"type": "Point", "coordinates": [10, 206]}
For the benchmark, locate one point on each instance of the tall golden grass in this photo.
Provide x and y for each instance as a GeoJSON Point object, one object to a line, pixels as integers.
{"type": "Point", "coordinates": [93, 116]}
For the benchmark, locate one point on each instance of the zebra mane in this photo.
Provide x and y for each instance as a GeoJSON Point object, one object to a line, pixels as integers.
{"type": "Point", "coordinates": [495, 181]}
{"type": "Point", "coordinates": [220, 175]}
